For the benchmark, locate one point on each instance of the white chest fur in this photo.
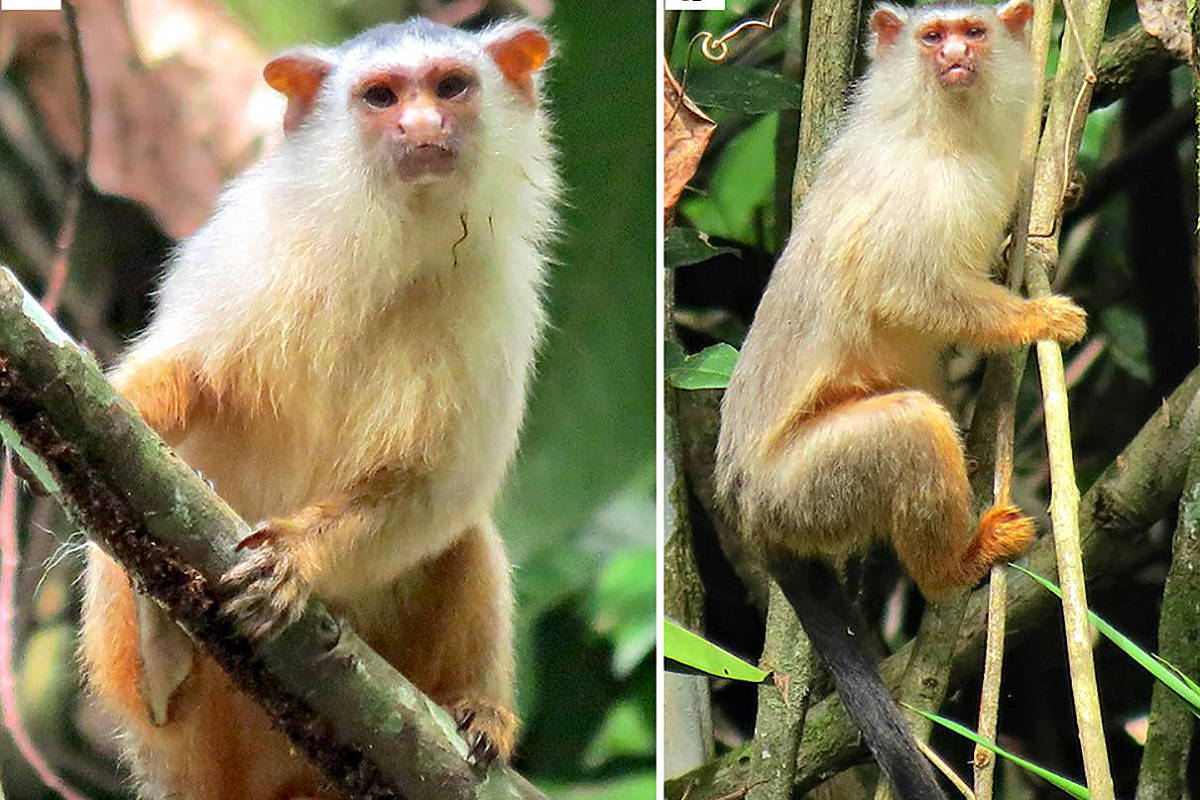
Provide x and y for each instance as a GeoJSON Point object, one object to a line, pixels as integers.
{"type": "Point", "coordinates": [388, 346]}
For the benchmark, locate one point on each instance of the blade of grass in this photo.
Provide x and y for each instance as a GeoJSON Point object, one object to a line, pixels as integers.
{"type": "Point", "coordinates": [1171, 678]}
{"type": "Point", "coordinates": [1054, 779]}
{"type": "Point", "coordinates": [1191, 684]}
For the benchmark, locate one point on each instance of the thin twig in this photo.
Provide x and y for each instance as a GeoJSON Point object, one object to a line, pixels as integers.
{"type": "Point", "coordinates": [1064, 516]}
{"type": "Point", "coordinates": [1008, 369]}
{"type": "Point", "coordinates": [1059, 144]}
{"type": "Point", "coordinates": [983, 761]}
{"type": "Point", "coordinates": [716, 48]}
{"type": "Point", "coordinates": [945, 769]}
{"type": "Point", "coordinates": [74, 198]}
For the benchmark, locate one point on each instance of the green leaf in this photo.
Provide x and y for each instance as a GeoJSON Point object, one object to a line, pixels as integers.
{"type": "Point", "coordinates": [680, 644]}
{"type": "Point", "coordinates": [1191, 684]}
{"type": "Point", "coordinates": [626, 732]}
{"type": "Point", "coordinates": [685, 246]}
{"type": "Point", "coordinates": [739, 203]}
{"type": "Point", "coordinates": [744, 89]}
{"type": "Point", "coordinates": [708, 369]}
{"type": "Point", "coordinates": [1177, 672]}
{"type": "Point", "coordinates": [622, 607]}
{"type": "Point", "coordinates": [1126, 332]}
{"type": "Point", "coordinates": [1069, 786]}
{"type": "Point", "coordinates": [1171, 677]}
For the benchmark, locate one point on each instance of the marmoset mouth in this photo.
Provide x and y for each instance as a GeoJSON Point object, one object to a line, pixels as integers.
{"type": "Point", "coordinates": [957, 75]}
{"type": "Point", "coordinates": [425, 162]}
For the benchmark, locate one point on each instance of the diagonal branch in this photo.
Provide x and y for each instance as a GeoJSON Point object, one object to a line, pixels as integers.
{"type": "Point", "coordinates": [339, 702]}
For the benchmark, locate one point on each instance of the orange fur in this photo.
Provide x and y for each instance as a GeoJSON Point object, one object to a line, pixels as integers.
{"type": "Point", "coordinates": [447, 628]}
{"type": "Point", "coordinates": [169, 761]}
{"type": "Point", "coordinates": [468, 666]}
{"type": "Point", "coordinates": [1004, 533]}
{"type": "Point", "coordinates": [164, 390]}
{"type": "Point", "coordinates": [108, 645]}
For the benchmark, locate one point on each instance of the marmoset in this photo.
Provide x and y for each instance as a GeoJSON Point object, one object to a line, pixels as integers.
{"type": "Point", "coordinates": [833, 429]}
{"type": "Point", "coordinates": [344, 351]}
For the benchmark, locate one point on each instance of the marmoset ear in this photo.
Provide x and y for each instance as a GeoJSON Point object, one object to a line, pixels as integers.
{"type": "Point", "coordinates": [1015, 15]}
{"type": "Point", "coordinates": [887, 21]}
{"type": "Point", "coordinates": [519, 50]}
{"type": "Point", "coordinates": [299, 76]}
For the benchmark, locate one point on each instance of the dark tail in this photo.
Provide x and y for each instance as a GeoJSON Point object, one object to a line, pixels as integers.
{"type": "Point", "coordinates": [829, 620]}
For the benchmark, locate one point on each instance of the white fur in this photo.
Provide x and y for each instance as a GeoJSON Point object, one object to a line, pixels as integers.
{"type": "Point", "coordinates": [349, 297]}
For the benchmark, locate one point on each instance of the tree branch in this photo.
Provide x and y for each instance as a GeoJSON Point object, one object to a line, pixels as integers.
{"type": "Point", "coordinates": [833, 23]}
{"type": "Point", "coordinates": [787, 652]}
{"type": "Point", "coordinates": [1129, 58]}
{"type": "Point", "coordinates": [338, 701]}
{"type": "Point", "coordinates": [1169, 738]}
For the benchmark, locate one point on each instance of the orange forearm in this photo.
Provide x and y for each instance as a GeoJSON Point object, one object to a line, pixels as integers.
{"type": "Point", "coordinates": [163, 390]}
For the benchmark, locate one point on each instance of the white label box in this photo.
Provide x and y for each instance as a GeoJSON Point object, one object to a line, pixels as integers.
{"type": "Point", "coordinates": [30, 5]}
{"type": "Point", "coordinates": [694, 5]}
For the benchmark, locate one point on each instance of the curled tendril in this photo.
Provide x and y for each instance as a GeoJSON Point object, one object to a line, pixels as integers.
{"type": "Point", "coordinates": [716, 48]}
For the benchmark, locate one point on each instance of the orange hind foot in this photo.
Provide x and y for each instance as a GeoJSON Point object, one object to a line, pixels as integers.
{"type": "Point", "coordinates": [1005, 532]}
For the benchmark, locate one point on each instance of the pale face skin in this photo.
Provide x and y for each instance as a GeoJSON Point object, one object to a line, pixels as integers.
{"type": "Point", "coordinates": [418, 118]}
{"type": "Point", "coordinates": [954, 49]}
{"type": "Point", "coordinates": [955, 43]}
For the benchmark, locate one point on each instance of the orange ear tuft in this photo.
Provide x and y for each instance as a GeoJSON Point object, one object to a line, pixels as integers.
{"type": "Point", "coordinates": [1015, 14]}
{"type": "Point", "coordinates": [519, 54]}
{"type": "Point", "coordinates": [298, 76]}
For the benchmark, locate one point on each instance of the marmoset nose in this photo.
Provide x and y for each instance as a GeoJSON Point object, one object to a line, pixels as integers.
{"type": "Point", "coordinates": [422, 124]}
{"type": "Point", "coordinates": [954, 51]}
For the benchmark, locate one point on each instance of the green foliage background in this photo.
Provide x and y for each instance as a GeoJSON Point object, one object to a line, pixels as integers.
{"type": "Point", "coordinates": [578, 513]}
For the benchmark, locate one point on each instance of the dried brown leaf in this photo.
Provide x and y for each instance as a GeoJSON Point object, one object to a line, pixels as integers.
{"type": "Point", "coordinates": [686, 133]}
{"type": "Point", "coordinates": [1167, 21]}
{"type": "Point", "coordinates": [178, 101]}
